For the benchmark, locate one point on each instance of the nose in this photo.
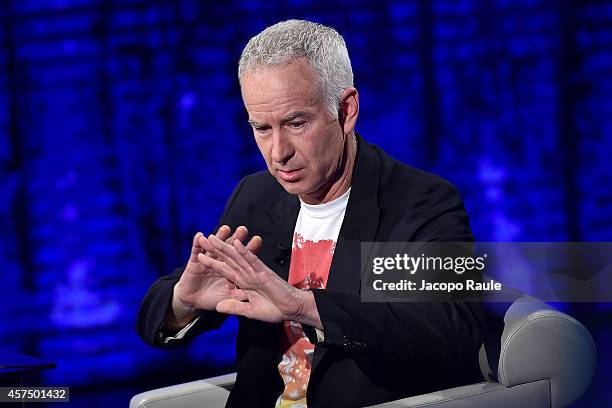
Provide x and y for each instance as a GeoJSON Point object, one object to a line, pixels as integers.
{"type": "Point", "coordinates": [282, 148]}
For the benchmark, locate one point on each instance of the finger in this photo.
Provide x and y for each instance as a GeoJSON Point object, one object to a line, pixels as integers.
{"type": "Point", "coordinates": [217, 266]}
{"type": "Point", "coordinates": [238, 294]}
{"type": "Point", "coordinates": [234, 307]}
{"type": "Point", "coordinates": [232, 256]}
{"type": "Point", "coordinates": [224, 232]}
{"type": "Point", "coordinates": [241, 233]}
{"type": "Point", "coordinates": [208, 248]}
{"type": "Point", "coordinates": [244, 252]}
{"type": "Point", "coordinates": [215, 248]}
{"type": "Point", "coordinates": [213, 252]}
{"type": "Point", "coordinates": [254, 244]}
{"type": "Point", "coordinates": [195, 247]}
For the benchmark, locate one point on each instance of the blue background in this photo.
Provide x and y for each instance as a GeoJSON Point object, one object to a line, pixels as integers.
{"type": "Point", "coordinates": [122, 133]}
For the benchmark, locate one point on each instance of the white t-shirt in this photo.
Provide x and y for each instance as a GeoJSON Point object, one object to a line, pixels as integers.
{"type": "Point", "coordinates": [314, 242]}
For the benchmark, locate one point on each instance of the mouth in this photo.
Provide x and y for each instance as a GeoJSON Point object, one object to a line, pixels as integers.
{"type": "Point", "coordinates": [290, 175]}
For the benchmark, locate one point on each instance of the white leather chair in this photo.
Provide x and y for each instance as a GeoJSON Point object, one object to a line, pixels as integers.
{"type": "Point", "coordinates": [544, 358]}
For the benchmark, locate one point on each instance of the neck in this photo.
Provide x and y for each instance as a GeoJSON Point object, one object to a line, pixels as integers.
{"type": "Point", "coordinates": [341, 181]}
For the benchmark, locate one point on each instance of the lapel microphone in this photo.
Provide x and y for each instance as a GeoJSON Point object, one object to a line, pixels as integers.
{"type": "Point", "coordinates": [283, 255]}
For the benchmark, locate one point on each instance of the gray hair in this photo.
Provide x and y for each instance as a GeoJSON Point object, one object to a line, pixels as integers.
{"type": "Point", "coordinates": [320, 45]}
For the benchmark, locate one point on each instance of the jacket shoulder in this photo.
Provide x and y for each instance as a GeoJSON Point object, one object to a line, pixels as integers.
{"type": "Point", "coordinates": [420, 206]}
{"type": "Point", "coordinates": [400, 182]}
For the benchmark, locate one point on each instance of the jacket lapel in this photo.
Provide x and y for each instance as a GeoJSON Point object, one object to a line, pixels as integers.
{"type": "Point", "coordinates": [282, 211]}
{"type": "Point", "coordinates": [360, 222]}
{"type": "Point", "coordinates": [359, 225]}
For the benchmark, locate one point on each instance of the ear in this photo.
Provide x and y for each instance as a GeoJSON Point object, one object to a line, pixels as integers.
{"type": "Point", "coordinates": [349, 110]}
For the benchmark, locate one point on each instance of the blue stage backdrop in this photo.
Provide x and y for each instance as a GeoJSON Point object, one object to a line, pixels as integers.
{"type": "Point", "coordinates": [122, 133]}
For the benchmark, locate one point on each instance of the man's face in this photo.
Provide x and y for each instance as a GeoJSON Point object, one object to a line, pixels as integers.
{"type": "Point", "coordinates": [302, 145]}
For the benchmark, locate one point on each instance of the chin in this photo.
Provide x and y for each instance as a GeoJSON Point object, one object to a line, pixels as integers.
{"type": "Point", "coordinates": [291, 188]}
{"type": "Point", "coordinates": [300, 188]}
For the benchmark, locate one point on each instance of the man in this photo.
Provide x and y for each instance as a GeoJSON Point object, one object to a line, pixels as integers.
{"type": "Point", "coordinates": [304, 335]}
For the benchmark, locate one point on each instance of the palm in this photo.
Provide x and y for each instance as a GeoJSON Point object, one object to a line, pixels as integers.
{"type": "Point", "coordinates": [200, 287]}
{"type": "Point", "coordinates": [204, 288]}
{"type": "Point", "coordinates": [262, 308]}
{"type": "Point", "coordinates": [261, 294]}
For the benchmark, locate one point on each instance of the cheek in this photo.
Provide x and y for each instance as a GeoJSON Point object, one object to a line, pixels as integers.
{"type": "Point", "coordinates": [328, 151]}
{"type": "Point", "coordinates": [316, 144]}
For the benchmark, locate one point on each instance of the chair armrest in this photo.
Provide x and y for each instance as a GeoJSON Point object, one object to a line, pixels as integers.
{"type": "Point", "coordinates": [539, 342]}
{"type": "Point", "coordinates": [212, 392]}
{"type": "Point", "coordinates": [485, 394]}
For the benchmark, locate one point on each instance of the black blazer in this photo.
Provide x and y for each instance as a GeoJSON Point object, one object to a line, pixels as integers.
{"type": "Point", "coordinates": [373, 352]}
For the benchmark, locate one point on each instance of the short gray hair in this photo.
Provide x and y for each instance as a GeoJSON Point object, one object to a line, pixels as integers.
{"type": "Point", "coordinates": [320, 45]}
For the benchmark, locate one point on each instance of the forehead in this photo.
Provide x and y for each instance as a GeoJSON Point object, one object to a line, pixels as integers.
{"type": "Point", "coordinates": [278, 90]}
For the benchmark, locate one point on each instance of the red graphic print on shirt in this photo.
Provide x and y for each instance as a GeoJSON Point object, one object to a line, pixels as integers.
{"type": "Point", "coordinates": [309, 269]}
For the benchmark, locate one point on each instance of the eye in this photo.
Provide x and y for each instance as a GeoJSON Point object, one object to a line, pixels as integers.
{"type": "Point", "coordinates": [261, 129]}
{"type": "Point", "coordinates": [296, 125]}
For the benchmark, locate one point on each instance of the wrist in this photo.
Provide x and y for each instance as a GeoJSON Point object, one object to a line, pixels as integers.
{"type": "Point", "coordinates": [179, 313]}
{"type": "Point", "coordinates": [307, 310]}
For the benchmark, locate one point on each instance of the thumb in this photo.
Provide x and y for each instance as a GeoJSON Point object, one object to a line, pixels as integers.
{"type": "Point", "coordinates": [196, 248]}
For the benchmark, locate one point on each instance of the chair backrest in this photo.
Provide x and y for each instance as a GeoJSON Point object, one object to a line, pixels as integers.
{"type": "Point", "coordinates": [528, 340]}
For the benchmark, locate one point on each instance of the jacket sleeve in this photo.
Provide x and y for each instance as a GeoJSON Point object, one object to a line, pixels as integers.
{"type": "Point", "coordinates": [157, 300]}
{"type": "Point", "coordinates": [432, 333]}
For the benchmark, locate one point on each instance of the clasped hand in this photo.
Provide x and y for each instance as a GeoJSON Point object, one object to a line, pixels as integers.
{"type": "Point", "coordinates": [225, 275]}
{"type": "Point", "coordinates": [258, 293]}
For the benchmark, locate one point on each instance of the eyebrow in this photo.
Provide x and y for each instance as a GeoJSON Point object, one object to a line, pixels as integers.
{"type": "Point", "coordinates": [291, 116]}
